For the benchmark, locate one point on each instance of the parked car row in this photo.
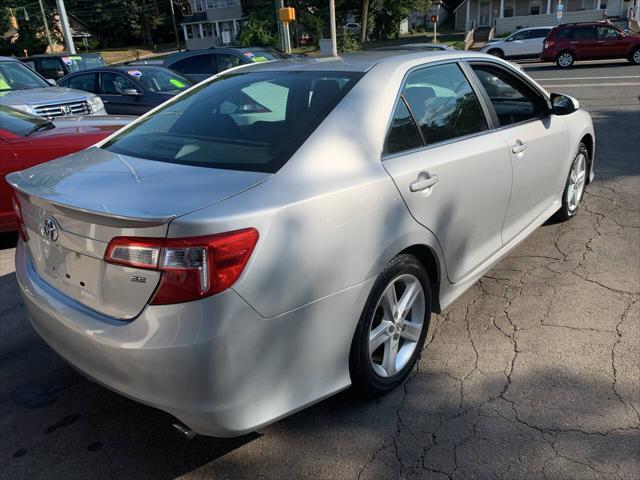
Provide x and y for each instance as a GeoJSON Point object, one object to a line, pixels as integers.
{"type": "Point", "coordinates": [567, 43]}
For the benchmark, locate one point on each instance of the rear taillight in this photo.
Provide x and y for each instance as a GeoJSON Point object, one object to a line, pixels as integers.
{"type": "Point", "coordinates": [192, 268]}
{"type": "Point", "coordinates": [22, 229]}
{"type": "Point", "coordinates": [548, 43]}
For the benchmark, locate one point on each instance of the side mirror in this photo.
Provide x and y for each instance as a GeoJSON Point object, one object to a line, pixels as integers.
{"type": "Point", "coordinates": [131, 92]}
{"type": "Point", "coordinates": [563, 104]}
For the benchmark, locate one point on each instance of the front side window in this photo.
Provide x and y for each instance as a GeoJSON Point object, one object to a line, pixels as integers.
{"type": "Point", "coordinates": [512, 100]}
{"type": "Point", "coordinates": [226, 61]}
{"type": "Point", "coordinates": [50, 67]}
{"type": "Point", "coordinates": [85, 81]}
{"type": "Point", "coordinates": [608, 33]}
{"type": "Point", "coordinates": [16, 76]}
{"type": "Point", "coordinates": [240, 121]}
{"type": "Point", "coordinates": [115, 84]}
{"type": "Point", "coordinates": [443, 103]}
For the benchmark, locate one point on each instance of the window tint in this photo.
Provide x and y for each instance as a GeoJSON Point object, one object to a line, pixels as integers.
{"type": "Point", "coordinates": [226, 61]}
{"type": "Point", "coordinates": [86, 82]}
{"type": "Point", "coordinates": [50, 67]}
{"type": "Point", "coordinates": [160, 80]}
{"type": "Point", "coordinates": [512, 100]}
{"type": "Point", "coordinates": [565, 33]}
{"type": "Point", "coordinates": [521, 35]}
{"type": "Point", "coordinates": [239, 121]}
{"type": "Point", "coordinates": [608, 33]}
{"type": "Point", "coordinates": [585, 33]}
{"type": "Point", "coordinates": [115, 84]}
{"type": "Point", "coordinates": [404, 133]}
{"type": "Point", "coordinates": [539, 33]}
{"type": "Point", "coordinates": [198, 64]}
{"type": "Point", "coordinates": [443, 103]}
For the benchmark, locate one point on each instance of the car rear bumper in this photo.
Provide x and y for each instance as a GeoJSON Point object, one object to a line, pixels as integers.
{"type": "Point", "coordinates": [214, 364]}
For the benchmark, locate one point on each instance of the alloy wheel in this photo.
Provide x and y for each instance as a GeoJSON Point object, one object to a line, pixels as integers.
{"type": "Point", "coordinates": [565, 59]}
{"type": "Point", "coordinates": [636, 57]}
{"type": "Point", "coordinates": [576, 182]}
{"type": "Point", "coordinates": [396, 325]}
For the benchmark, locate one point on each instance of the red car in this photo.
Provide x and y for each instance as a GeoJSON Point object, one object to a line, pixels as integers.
{"type": "Point", "coordinates": [27, 140]}
{"type": "Point", "coordinates": [589, 41]}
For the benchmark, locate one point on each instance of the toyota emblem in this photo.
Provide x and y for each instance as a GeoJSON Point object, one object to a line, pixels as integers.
{"type": "Point", "coordinates": [49, 229]}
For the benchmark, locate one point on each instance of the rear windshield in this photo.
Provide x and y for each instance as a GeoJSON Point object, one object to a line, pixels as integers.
{"type": "Point", "coordinates": [241, 121]}
{"type": "Point", "coordinates": [77, 63]}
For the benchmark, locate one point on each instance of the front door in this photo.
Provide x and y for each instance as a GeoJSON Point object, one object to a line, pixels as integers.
{"type": "Point", "coordinates": [453, 173]}
{"type": "Point", "coordinates": [484, 13]}
{"type": "Point", "coordinates": [612, 43]}
{"type": "Point", "coordinates": [113, 87]}
{"type": "Point", "coordinates": [537, 143]}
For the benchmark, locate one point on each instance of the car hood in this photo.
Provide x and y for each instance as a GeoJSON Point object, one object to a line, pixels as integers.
{"type": "Point", "coordinates": [106, 183]}
{"type": "Point", "coordinates": [43, 96]}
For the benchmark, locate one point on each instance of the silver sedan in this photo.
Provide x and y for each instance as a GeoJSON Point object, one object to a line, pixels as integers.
{"type": "Point", "coordinates": [283, 231]}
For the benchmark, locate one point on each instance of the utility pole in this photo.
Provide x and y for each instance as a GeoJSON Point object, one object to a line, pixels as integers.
{"type": "Point", "coordinates": [332, 25]}
{"type": "Point", "coordinates": [66, 29]}
{"type": "Point", "coordinates": [175, 27]}
{"type": "Point", "coordinates": [46, 26]}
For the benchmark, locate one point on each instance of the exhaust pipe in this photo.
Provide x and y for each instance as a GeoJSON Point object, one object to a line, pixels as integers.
{"type": "Point", "coordinates": [184, 430]}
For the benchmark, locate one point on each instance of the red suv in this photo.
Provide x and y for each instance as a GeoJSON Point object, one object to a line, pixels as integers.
{"type": "Point", "coordinates": [589, 41]}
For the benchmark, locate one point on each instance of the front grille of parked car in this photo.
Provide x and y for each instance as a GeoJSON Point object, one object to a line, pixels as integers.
{"type": "Point", "coordinates": [53, 111]}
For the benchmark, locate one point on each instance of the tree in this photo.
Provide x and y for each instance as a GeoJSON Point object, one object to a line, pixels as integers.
{"type": "Point", "coordinates": [364, 20]}
{"type": "Point", "coordinates": [388, 14]}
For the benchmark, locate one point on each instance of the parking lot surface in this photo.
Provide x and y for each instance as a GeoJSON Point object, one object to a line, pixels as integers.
{"type": "Point", "coordinates": [534, 372]}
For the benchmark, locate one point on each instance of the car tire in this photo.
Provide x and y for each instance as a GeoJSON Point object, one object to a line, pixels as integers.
{"type": "Point", "coordinates": [635, 56]}
{"type": "Point", "coordinates": [575, 185]}
{"type": "Point", "coordinates": [386, 327]}
{"type": "Point", "coordinates": [565, 59]}
{"type": "Point", "coordinates": [496, 52]}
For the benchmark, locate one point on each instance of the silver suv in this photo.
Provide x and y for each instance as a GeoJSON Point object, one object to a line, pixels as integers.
{"type": "Point", "coordinates": [24, 89]}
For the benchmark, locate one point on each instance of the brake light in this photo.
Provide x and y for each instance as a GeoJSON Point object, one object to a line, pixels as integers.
{"type": "Point", "coordinates": [548, 43]}
{"type": "Point", "coordinates": [22, 229]}
{"type": "Point", "coordinates": [192, 268]}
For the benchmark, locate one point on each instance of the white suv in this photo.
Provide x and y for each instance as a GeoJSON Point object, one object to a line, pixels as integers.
{"type": "Point", "coordinates": [525, 43]}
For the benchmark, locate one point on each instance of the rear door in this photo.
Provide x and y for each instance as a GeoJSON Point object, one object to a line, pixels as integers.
{"type": "Point", "coordinates": [537, 143]}
{"type": "Point", "coordinates": [535, 43]}
{"type": "Point", "coordinates": [517, 45]}
{"type": "Point", "coordinates": [87, 82]}
{"type": "Point", "coordinates": [8, 163]}
{"type": "Point", "coordinates": [453, 172]}
{"type": "Point", "coordinates": [585, 42]}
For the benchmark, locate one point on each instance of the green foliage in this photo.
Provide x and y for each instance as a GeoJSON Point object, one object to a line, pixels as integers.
{"type": "Point", "coordinates": [387, 15]}
{"type": "Point", "coordinates": [260, 29]}
{"type": "Point", "coordinates": [347, 43]}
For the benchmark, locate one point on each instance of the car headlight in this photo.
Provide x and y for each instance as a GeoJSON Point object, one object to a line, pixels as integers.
{"type": "Point", "coordinates": [96, 104]}
{"type": "Point", "coordinates": [24, 108]}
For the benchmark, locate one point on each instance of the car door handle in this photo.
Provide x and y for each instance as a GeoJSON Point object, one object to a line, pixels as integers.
{"type": "Point", "coordinates": [519, 147]}
{"type": "Point", "coordinates": [424, 183]}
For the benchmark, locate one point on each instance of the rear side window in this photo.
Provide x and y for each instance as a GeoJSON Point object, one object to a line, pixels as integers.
{"type": "Point", "coordinates": [198, 64]}
{"type": "Point", "coordinates": [564, 33]}
{"type": "Point", "coordinates": [50, 67]}
{"type": "Point", "coordinates": [512, 100]}
{"type": "Point", "coordinates": [539, 33]}
{"type": "Point", "coordinates": [443, 103]}
{"type": "Point", "coordinates": [86, 82]}
{"type": "Point", "coordinates": [240, 121]}
{"type": "Point", "coordinates": [403, 134]}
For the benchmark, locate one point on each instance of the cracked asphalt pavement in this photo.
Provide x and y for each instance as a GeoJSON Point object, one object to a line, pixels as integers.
{"type": "Point", "coordinates": [534, 372]}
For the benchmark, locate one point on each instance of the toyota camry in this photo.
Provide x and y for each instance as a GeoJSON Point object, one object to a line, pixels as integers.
{"type": "Point", "coordinates": [283, 231]}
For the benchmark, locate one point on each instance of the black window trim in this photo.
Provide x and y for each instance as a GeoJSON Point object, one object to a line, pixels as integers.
{"type": "Point", "coordinates": [473, 82]}
{"type": "Point", "coordinates": [526, 83]}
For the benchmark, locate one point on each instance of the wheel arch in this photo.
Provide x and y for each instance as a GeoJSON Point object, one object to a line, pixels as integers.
{"type": "Point", "coordinates": [429, 261]}
{"type": "Point", "coordinates": [587, 139]}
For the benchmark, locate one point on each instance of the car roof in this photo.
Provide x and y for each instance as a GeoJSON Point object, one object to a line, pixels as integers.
{"type": "Point", "coordinates": [363, 61]}
{"type": "Point", "coordinates": [120, 68]}
{"type": "Point", "coordinates": [174, 57]}
{"type": "Point", "coordinates": [60, 55]}
{"type": "Point", "coordinates": [8, 59]}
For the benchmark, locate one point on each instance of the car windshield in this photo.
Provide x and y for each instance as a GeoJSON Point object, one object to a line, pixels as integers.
{"type": "Point", "coordinates": [19, 123]}
{"type": "Point", "coordinates": [16, 76]}
{"type": "Point", "coordinates": [260, 55]}
{"type": "Point", "coordinates": [83, 62]}
{"type": "Point", "coordinates": [160, 80]}
{"type": "Point", "coordinates": [240, 121]}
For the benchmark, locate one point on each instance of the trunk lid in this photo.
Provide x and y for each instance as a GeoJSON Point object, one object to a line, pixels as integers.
{"type": "Point", "coordinates": [94, 195]}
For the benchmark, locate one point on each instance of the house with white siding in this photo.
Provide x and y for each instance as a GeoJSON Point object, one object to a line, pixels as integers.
{"type": "Point", "coordinates": [510, 15]}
